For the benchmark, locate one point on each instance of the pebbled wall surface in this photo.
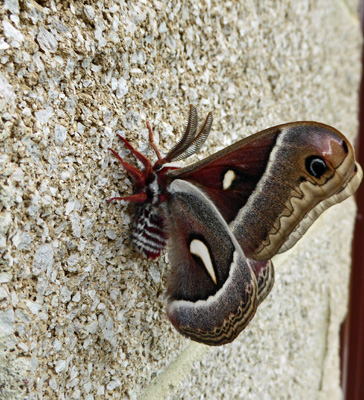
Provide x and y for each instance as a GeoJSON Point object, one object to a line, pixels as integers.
{"type": "Point", "coordinates": [81, 315]}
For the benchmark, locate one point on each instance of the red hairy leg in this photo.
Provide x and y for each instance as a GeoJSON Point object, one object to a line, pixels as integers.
{"type": "Point", "coordinates": [134, 198]}
{"type": "Point", "coordinates": [146, 163]}
{"type": "Point", "coordinates": [153, 144]}
{"type": "Point", "coordinates": [138, 176]}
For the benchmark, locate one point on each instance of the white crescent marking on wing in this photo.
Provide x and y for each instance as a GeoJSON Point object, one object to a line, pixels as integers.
{"type": "Point", "coordinates": [199, 249]}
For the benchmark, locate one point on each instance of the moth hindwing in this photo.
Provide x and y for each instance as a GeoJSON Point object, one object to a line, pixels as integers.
{"type": "Point", "coordinates": [226, 216]}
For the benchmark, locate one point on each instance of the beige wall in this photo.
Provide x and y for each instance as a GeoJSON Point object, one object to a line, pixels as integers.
{"type": "Point", "coordinates": [81, 315]}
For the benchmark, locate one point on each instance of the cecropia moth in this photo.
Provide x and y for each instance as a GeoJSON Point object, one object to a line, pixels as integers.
{"type": "Point", "coordinates": [226, 216]}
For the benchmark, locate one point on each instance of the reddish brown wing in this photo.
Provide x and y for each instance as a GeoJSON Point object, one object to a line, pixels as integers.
{"type": "Point", "coordinates": [247, 159]}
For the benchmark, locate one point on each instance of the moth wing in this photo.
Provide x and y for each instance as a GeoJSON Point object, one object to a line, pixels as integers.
{"type": "Point", "coordinates": [230, 176]}
{"type": "Point", "coordinates": [212, 290]}
{"type": "Point", "coordinates": [311, 168]}
{"type": "Point", "coordinates": [264, 274]}
{"type": "Point", "coordinates": [265, 185]}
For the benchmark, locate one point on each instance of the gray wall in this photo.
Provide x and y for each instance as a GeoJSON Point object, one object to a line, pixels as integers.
{"type": "Point", "coordinates": [81, 315]}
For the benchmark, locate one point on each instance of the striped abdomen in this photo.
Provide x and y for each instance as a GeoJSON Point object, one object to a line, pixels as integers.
{"type": "Point", "coordinates": [149, 235]}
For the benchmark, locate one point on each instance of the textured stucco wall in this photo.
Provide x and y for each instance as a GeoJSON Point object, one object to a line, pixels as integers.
{"type": "Point", "coordinates": [81, 315]}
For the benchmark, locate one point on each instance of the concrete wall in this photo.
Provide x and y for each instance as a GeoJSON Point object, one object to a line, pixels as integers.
{"type": "Point", "coordinates": [81, 315]}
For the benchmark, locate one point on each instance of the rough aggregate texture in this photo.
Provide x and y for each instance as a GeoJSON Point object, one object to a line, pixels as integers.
{"type": "Point", "coordinates": [81, 315]}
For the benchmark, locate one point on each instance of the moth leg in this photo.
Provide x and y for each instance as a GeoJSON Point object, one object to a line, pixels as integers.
{"type": "Point", "coordinates": [134, 198]}
{"type": "Point", "coordinates": [153, 144]}
{"type": "Point", "coordinates": [138, 176]}
{"type": "Point", "coordinates": [146, 163]}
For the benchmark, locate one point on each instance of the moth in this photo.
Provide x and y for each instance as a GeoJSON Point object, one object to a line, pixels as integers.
{"type": "Point", "coordinates": [226, 216]}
